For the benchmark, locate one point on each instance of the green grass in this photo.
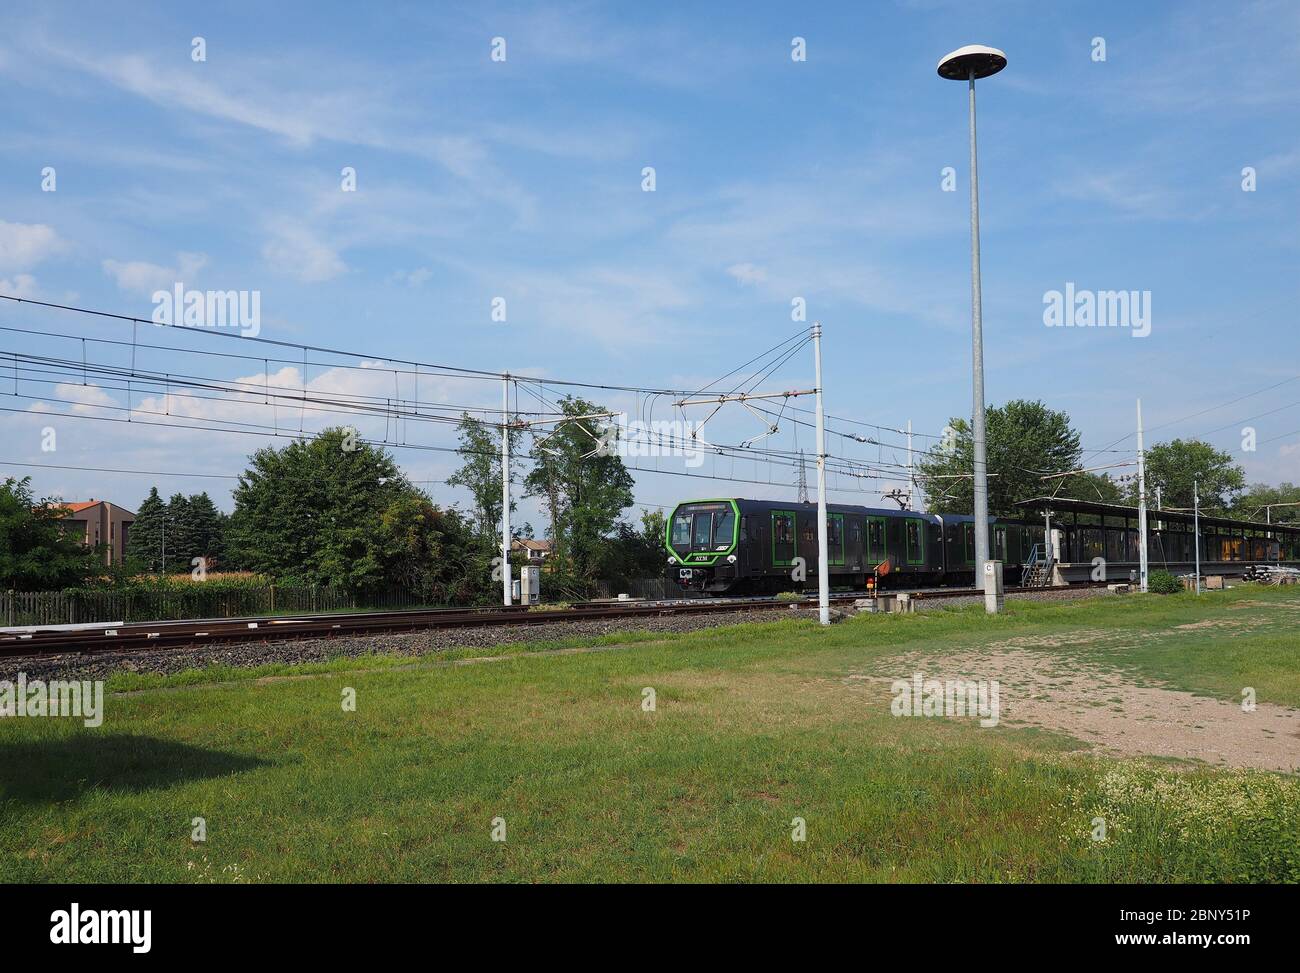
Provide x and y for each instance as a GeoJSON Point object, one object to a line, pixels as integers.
{"type": "Point", "coordinates": [754, 726]}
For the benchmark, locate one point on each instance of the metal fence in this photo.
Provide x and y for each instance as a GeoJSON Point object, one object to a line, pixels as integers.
{"type": "Point", "coordinates": [88, 606]}
{"type": "Point", "coordinates": [81, 606]}
{"type": "Point", "coordinates": [653, 589]}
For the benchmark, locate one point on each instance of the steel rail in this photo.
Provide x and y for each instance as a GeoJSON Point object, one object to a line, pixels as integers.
{"type": "Point", "coordinates": [174, 634]}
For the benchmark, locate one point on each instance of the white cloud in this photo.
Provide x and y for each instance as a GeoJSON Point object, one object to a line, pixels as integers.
{"type": "Point", "coordinates": [20, 285]}
{"type": "Point", "coordinates": [297, 252]}
{"type": "Point", "coordinates": [24, 245]}
{"type": "Point", "coordinates": [84, 396]}
{"type": "Point", "coordinates": [411, 278]}
{"type": "Point", "coordinates": [140, 276]}
{"type": "Point", "coordinates": [616, 307]}
{"type": "Point", "coordinates": [747, 273]}
{"type": "Point", "coordinates": [194, 93]}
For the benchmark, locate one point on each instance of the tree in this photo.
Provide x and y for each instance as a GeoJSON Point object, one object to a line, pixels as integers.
{"type": "Point", "coordinates": [480, 471]}
{"type": "Point", "coordinates": [585, 487]}
{"type": "Point", "coordinates": [1174, 465]}
{"type": "Point", "coordinates": [207, 529]}
{"type": "Point", "coordinates": [186, 527]}
{"type": "Point", "coordinates": [313, 512]}
{"type": "Point", "coordinates": [432, 551]}
{"type": "Point", "coordinates": [1025, 440]}
{"type": "Point", "coordinates": [1250, 505]}
{"type": "Point", "coordinates": [144, 541]}
{"type": "Point", "coordinates": [181, 541]}
{"type": "Point", "coordinates": [631, 553]}
{"type": "Point", "coordinates": [37, 551]}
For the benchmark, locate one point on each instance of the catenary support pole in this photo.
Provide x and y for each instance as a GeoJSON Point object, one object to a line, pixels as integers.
{"type": "Point", "coordinates": [823, 565]}
{"type": "Point", "coordinates": [1196, 538]}
{"type": "Point", "coordinates": [505, 490]}
{"type": "Point", "coordinates": [1048, 553]}
{"type": "Point", "coordinates": [1142, 505]}
{"type": "Point", "coordinates": [911, 475]}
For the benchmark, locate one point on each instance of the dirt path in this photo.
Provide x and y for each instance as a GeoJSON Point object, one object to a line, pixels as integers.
{"type": "Point", "coordinates": [1106, 709]}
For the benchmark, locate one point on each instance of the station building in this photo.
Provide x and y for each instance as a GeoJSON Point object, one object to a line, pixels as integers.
{"type": "Point", "coordinates": [1083, 530]}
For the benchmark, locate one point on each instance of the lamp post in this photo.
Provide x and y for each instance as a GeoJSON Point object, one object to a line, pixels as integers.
{"type": "Point", "coordinates": [967, 64]}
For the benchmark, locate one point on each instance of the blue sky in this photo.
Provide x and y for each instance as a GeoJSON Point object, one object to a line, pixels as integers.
{"type": "Point", "coordinates": [775, 179]}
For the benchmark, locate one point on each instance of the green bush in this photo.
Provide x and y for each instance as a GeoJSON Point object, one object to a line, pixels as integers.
{"type": "Point", "coordinates": [790, 596]}
{"type": "Point", "coordinates": [1164, 583]}
{"type": "Point", "coordinates": [1217, 826]}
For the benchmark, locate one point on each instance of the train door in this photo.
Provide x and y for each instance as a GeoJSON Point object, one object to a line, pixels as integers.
{"type": "Point", "coordinates": [914, 543]}
{"type": "Point", "coordinates": [876, 552]}
{"type": "Point", "coordinates": [834, 540]}
{"type": "Point", "coordinates": [896, 547]}
{"type": "Point", "coordinates": [854, 553]}
{"type": "Point", "coordinates": [783, 542]}
{"type": "Point", "coordinates": [807, 540]}
{"type": "Point", "coordinates": [934, 546]}
{"type": "Point", "coordinates": [742, 547]}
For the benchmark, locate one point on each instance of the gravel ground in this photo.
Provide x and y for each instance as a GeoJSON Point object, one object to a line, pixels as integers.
{"type": "Point", "coordinates": [252, 654]}
{"type": "Point", "coordinates": [1049, 594]}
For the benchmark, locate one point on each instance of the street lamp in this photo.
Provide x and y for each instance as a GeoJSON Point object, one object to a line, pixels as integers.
{"type": "Point", "coordinates": [967, 64]}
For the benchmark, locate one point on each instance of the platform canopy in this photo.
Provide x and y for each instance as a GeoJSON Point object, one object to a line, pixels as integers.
{"type": "Point", "coordinates": [1060, 505]}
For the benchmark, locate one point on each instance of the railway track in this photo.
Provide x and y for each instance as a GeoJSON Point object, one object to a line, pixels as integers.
{"type": "Point", "coordinates": [177, 634]}
{"type": "Point", "coordinates": [108, 637]}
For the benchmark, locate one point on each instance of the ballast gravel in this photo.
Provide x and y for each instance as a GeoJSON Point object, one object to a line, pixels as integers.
{"type": "Point", "coordinates": [249, 655]}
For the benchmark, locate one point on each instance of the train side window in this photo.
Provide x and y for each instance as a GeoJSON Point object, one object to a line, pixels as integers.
{"type": "Point", "coordinates": [744, 529]}
{"type": "Point", "coordinates": [783, 528]}
{"type": "Point", "coordinates": [833, 527]}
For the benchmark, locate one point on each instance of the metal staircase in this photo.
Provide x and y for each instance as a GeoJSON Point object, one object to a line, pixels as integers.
{"type": "Point", "coordinates": [1037, 572]}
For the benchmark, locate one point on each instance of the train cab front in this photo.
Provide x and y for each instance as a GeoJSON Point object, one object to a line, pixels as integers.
{"type": "Point", "coordinates": [701, 545]}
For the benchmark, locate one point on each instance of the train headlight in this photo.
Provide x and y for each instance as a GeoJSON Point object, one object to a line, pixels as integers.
{"type": "Point", "coordinates": [731, 559]}
{"type": "Point", "coordinates": [672, 560]}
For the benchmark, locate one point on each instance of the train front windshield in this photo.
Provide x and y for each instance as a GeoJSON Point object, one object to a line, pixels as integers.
{"type": "Point", "coordinates": [703, 527]}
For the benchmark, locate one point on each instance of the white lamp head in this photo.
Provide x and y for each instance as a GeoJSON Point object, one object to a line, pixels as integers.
{"type": "Point", "coordinates": [983, 61]}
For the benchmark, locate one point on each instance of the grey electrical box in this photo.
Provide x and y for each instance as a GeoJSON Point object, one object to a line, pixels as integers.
{"type": "Point", "coordinates": [530, 584]}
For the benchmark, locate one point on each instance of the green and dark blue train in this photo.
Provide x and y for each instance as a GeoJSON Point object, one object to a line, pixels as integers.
{"type": "Point", "coordinates": [733, 546]}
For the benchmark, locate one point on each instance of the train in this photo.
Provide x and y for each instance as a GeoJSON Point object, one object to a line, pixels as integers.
{"type": "Point", "coordinates": [737, 546]}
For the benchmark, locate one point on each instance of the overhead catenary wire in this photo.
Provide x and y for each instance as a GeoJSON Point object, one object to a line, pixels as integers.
{"type": "Point", "coordinates": [399, 411]}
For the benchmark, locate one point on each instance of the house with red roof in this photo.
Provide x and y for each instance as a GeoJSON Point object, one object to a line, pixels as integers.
{"type": "Point", "coordinates": [96, 522]}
